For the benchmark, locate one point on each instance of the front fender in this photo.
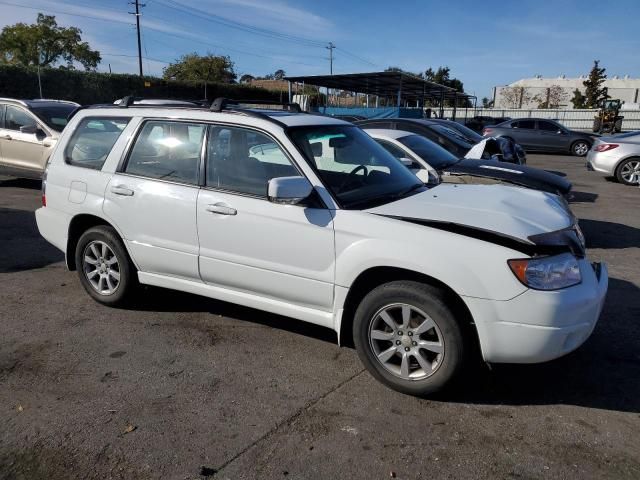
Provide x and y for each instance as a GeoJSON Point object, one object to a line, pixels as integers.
{"type": "Point", "coordinates": [469, 266]}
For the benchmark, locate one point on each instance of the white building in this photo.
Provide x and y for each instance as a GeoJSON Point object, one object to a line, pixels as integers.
{"type": "Point", "coordinates": [535, 91]}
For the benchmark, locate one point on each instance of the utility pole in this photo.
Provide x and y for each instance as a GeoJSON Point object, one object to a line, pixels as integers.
{"type": "Point", "coordinates": [330, 48]}
{"type": "Point", "coordinates": [137, 14]}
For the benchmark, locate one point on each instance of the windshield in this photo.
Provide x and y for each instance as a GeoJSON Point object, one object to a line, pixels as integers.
{"type": "Point", "coordinates": [54, 116]}
{"type": "Point", "coordinates": [472, 137]}
{"type": "Point", "coordinates": [354, 167]}
{"type": "Point", "coordinates": [628, 134]}
{"type": "Point", "coordinates": [453, 135]}
{"type": "Point", "coordinates": [430, 152]}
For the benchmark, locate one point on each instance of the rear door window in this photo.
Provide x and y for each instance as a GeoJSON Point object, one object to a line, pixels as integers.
{"type": "Point", "coordinates": [93, 140]}
{"type": "Point", "coordinates": [547, 126]}
{"type": "Point", "coordinates": [167, 151]}
{"type": "Point", "coordinates": [524, 124]}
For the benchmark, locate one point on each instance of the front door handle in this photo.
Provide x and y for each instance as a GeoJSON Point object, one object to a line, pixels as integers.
{"type": "Point", "coordinates": [122, 190]}
{"type": "Point", "coordinates": [221, 208]}
{"type": "Point", "coordinates": [7, 137]}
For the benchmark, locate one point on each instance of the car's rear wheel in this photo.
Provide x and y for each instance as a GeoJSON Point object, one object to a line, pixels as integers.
{"type": "Point", "coordinates": [628, 172]}
{"type": "Point", "coordinates": [580, 148]}
{"type": "Point", "coordinates": [408, 338]}
{"type": "Point", "coordinates": [104, 268]}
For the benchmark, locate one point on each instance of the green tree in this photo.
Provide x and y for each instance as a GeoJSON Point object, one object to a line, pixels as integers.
{"type": "Point", "coordinates": [246, 78]}
{"type": "Point", "coordinates": [44, 43]}
{"type": "Point", "coordinates": [578, 100]}
{"type": "Point", "coordinates": [201, 69]}
{"type": "Point", "coordinates": [486, 103]}
{"type": "Point", "coordinates": [279, 74]}
{"type": "Point", "coordinates": [442, 76]}
{"type": "Point", "coordinates": [595, 92]}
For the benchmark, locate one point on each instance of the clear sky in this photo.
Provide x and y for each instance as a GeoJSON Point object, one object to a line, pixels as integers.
{"type": "Point", "coordinates": [484, 42]}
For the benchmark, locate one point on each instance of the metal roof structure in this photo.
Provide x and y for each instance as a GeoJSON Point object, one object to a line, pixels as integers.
{"type": "Point", "coordinates": [402, 86]}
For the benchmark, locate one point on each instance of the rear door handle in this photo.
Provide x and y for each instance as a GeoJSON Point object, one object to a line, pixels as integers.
{"type": "Point", "coordinates": [122, 190]}
{"type": "Point", "coordinates": [7, 137]}
{"type": "Point", "coordinates": [221, 208]}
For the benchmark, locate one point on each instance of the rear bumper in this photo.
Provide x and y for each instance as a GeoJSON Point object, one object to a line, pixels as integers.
{"type": "Point", "coordinates": [53, 226]}
{"type": "Point", "coordinates": [601, 162]}
{"type": "Point", "coordinates": [538, 326]}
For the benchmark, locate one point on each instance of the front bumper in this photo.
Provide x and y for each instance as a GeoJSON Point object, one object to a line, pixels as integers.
{"type": "Point", "coordinates": [538, 326]}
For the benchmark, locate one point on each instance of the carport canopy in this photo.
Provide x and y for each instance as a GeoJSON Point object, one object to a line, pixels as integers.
{"type": "Point", "coordinates": [401, 85]}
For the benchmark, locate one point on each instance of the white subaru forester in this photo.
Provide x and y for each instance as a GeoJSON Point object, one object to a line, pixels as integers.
{"type": "Point", "coordinates": [307, 216]}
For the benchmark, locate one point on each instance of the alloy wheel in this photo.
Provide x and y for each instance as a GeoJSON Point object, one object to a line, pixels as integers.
{"type": "Point", "coordinates": [581, 149]}
{"type": "Point", "coordinates": [630, 171]}
{"type": "Point", "coordinates": [101, 267]}
{"type": "Point", "coordinates": [406, 341]}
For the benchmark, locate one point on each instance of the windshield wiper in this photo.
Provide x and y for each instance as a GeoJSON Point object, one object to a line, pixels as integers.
{"type": "Point", "coordinates": [406, 192]}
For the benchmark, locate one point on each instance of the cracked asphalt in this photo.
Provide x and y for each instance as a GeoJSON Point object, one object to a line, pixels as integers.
{"type": "Point", "coordinates": [184, 387]}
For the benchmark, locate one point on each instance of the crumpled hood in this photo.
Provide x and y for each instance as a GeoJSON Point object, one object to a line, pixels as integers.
{"type": "Point", "coordinates": [510, 211]}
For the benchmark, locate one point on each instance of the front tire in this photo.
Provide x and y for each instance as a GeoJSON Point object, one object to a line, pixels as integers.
{"type": "Point", "coordinates": [104, 267]}
{"type": "Point", "coordinates": [628, 172]}
{"type": "Point", "coordinates": [580, 148]}
{"type": "Point", "coordinates": [409, 339]}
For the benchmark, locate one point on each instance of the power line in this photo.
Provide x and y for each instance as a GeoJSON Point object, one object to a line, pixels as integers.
{"type": "Point", "coordinates": [238, 25]}
{"type": "Point", "coordinates": [361, 59]}
{"type": "Point", "coordinates": [48, 10]}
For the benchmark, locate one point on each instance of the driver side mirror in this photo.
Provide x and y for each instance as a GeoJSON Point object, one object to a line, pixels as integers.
{"type": "Point", "coordinates": [289, 190]}
{"type": "Point", "coordinates": [32, 130]}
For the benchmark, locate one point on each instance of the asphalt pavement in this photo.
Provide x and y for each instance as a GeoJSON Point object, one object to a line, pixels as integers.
{"type": "Point", "coordinates": [184, 387]}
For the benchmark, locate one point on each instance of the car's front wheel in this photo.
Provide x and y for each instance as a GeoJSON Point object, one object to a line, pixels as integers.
{"type": "Point", "coordinates": [580, 148]}
{"type": "Point", "coordinates": [408, 338]}
{"type": "Point", "coordinates": [628, 172]}
{"type": "Point", "coordinates": [104, 268]}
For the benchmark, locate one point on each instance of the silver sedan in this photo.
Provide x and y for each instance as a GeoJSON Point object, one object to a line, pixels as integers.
{"type": "Point", "coordinates": [617, 156]}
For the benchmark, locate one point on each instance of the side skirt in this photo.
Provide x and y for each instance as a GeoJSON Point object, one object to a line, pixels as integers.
{"type": "Point", "coordinates": [306, 314]}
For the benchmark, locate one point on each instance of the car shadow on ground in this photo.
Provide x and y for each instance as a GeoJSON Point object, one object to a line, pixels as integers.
{"type": "Point", "coordinates": [582, 197]}
{"type": "Point", "coordinates": [603, 373]}
{"type": "Point", "coordinates": [157, 299]}
{"type": "Point", "coordinates": [600, 234]}
{"type": "Point", "coordinates": [22, 246]}
{"type": "Point", "coordinates": [21, 183]}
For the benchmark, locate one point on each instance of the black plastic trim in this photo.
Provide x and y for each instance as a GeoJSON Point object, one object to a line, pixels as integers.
{"type": "Point", "coordinates": [538, 246]}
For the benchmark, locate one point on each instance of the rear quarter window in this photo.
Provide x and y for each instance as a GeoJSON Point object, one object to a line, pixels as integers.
{"type": "Point", "coordinates": [93, 140]}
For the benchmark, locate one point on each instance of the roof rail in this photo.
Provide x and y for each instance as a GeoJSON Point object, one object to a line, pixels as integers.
{"type": "Point", "coordinates": [221, 103]}
{"type": "Point", "coordinates": [15, 100]}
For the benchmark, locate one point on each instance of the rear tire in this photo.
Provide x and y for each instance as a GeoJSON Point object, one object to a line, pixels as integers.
{"type": "Point", "coordinates": [580, 148]}
{"type": "Point", "coordinates": [104, 267]}
{"type": "Point", "coordinates": [628, 172]}
{"type": "Point", "coordinates": [408, 338]}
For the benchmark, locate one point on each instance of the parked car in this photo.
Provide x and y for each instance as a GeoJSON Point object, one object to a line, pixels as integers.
{"type": "Point", "coordinates": [421, 154]}
{"type": "Point", "coordinates": [617, 156]}
{"type": "Point", "coordinates": [478, 122]}
{"type": "Point", "coordinates": [29, 129]}
{"type": "Point", "coordinates": [452, 136]}
{"type": "Point", "coordinates": [330, 229]}
{"type": "Point", "coordinates": [539, 134]}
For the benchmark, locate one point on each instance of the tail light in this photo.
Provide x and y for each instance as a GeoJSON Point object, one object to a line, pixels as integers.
{"type": "Point", "coordinates": [605, 147]}
{"type": "Point", "coordinates": [44, 187]}
{"type": "Point", "coordinates": [487, 131]}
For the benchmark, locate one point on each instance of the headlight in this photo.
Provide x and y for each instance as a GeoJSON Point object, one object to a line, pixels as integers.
{"type": "Point", "coordinates": [547, 273]}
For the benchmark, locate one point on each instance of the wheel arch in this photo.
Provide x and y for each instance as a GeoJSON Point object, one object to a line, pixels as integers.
{"type": "Point", "coordinates": [376, 276]}
{"type": "Point", "coordinates": [77, 226]}
{"type": "Point", "coordinates": [616, 169]}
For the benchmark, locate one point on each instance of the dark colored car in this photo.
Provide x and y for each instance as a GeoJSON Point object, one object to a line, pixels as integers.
{"type": "Point", "coordinates": [540, 134]}
{"type": "Point", "coordinates": [452, 136]}
{"type": "Point", "coordinates": [406, 146]}
{"type": "Point", "coordinates": [478, 122]}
